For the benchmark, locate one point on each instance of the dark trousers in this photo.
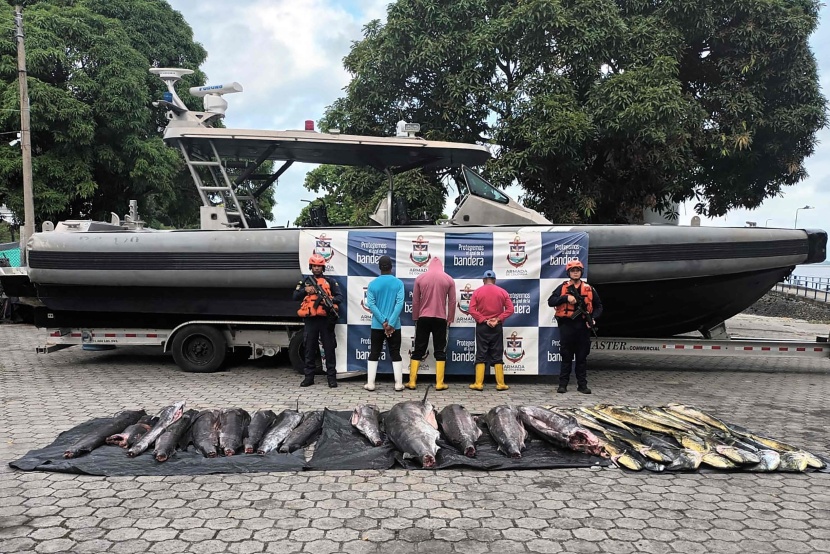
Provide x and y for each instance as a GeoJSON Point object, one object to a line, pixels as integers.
{"type": "Point", "coordinates": [378, 337]}
{"type": "Point", "coordinates": [489, 344]}
{"type": "Point", "coordinates": [574, 340]}
{"type": "Point", "coordinates": [318, 329]}
{"type": "Point", "coordinates": [435, 326]}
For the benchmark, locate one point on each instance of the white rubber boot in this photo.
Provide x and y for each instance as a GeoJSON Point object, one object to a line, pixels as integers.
{"type": "Point", "coordinates": [397, 368]}
{"type": "Point", "coordinates": [371, 373]}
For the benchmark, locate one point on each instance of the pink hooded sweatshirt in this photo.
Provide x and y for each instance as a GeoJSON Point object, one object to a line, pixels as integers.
{"type": "Point", "coordinates": [434, 293]}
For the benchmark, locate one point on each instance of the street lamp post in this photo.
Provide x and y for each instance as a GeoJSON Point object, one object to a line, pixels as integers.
{"type": "Point", "coordinates": [795, 226]}
{"type": "Point", "coordinates": [766, 223]}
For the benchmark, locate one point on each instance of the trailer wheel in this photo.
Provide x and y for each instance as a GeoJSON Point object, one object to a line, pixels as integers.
{"type": "Point", "coordinates": [296, 354]}
{"type": "Point", "coordinates": [199, 349]}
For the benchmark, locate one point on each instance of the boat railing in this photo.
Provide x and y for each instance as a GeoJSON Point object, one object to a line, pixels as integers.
{"type": "Point", "coordinates": [817, 288]}
{"type": "Point", "coordinates": [11, 252]}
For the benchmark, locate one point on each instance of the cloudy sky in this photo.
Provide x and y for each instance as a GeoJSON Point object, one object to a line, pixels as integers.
{"type": "Point", "coordinates": [287, 54]}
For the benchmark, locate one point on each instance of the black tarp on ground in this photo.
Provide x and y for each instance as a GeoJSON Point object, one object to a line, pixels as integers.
{"type": "Point", "coordinates": [341, 446]}
{"type": "Point", "coordinates": [113, 460]}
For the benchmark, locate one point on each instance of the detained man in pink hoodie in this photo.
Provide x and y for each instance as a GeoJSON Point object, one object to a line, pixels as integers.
{"type": "Point", "coordinates": [433, 310]}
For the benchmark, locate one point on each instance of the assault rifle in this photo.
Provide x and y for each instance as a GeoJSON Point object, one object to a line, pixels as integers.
{"type": "Point", "coordinates": [323, 298]}
{"type": "Point", "coordinates": [581, 309]}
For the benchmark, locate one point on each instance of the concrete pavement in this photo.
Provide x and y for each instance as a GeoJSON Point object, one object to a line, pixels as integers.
{"type": "Point", "coordinates": [584, 510]}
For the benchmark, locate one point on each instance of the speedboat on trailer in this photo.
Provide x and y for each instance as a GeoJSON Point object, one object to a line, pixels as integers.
{"type": "Point", "coordinates": [655, 280]}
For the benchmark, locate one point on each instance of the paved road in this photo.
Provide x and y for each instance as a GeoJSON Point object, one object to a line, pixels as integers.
{"type": "Point", "coordinates": [585, 510]}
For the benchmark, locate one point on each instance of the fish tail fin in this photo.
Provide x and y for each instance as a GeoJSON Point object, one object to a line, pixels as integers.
{"type": "Point", "coordinates": [425, 394]}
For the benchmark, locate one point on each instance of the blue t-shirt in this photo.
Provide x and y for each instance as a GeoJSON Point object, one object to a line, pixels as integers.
{"type": "Point", "coordinates": [384, 298]}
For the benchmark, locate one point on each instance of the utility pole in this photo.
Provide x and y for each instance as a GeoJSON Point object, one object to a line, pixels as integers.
{"type": "Point", "coordinates": [25, 139]}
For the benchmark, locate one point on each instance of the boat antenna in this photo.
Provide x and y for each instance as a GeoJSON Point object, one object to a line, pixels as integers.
{"type": "Point", "coordinates": [171, 76]}
{"type": "Point", "coordinates": [214, 105]}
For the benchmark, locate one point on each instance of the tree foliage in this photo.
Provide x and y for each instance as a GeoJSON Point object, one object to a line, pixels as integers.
{"type": "Point", "coordinates": [600, 108]}
{"type": "Point", "coordinates": [95, 135]}
{"type": "Point", "coordinates": [351, 194]}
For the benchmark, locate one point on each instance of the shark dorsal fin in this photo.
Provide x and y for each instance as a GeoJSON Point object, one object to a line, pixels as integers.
{"type": "Point", "coordinates": [426, 394]}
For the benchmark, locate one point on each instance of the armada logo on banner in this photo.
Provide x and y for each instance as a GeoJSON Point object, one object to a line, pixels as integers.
{"type": "Point", "coordinates": [517, 255]}
{"type": "Point", "coordinates": [464, 296]}
{"type": "Point", "coordinates": [420, 255]}
{"type": "Point", "coordinates": [322, 246]}
{"type": "Point", "coordinates": [514, 351]}
{"type": "Point", "coordinates": [363, 304]}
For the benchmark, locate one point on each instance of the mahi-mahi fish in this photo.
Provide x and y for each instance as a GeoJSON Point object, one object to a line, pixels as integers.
{"type": "Point", "coordinates": [643, 449]}
{"type": "Point", "coordinates": [620, 456]}
{"type": "Point", "coordinates": [769, 461]}
{"type": "Point", "coordinates": [261, 421]}
{"type": "Point", "coordinates": [793, 460]}
{"type": "Point", "coordinates": [413, 429]}
{"type": "Point", "coordinates": [98, 436]}
{"type": "Point", "coordinates": [459, 428]}
{"type": "Point", "coordinates": [172, 436]}
{"type": "Point", "coordinates": [507, 430]}
{"type": "Point", "coordinates": [232, 424]}
{"type": "Point", "coordinates": [697, 414]}
{"type": "Point", "coordinates": [166, 416]}
{"type": "Point", "coordinates": [366, 419]}
{"type": "Point", "coordinates": [560, 429]}
{"type": "Point", "coordinates": [683, 459]}
{"type": "Point", "coordinates": [782, 448]}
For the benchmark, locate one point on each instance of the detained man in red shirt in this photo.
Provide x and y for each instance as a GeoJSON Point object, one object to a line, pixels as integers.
{"type": "Point", "coordinates": [433, 309]}
{"type": "Point", "coordinates": [490, 305]}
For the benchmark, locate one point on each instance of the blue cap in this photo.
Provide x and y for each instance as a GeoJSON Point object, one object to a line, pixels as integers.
{"type": "Point", "coordinates": [489, 274]}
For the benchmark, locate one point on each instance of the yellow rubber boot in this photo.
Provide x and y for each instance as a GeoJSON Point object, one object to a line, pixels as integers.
{"type": "Point", "coordinates": [439, 376]}
{"type": "Point", "coordinates": [499, 371]}
{"type": "Point", "coordinates": [413, 374]}
{"type": "Point", "coordinates": [479, 384]}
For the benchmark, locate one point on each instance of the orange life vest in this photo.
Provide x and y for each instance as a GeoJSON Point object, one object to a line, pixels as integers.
{"type": "Point", "coordinates": [307, 308]}
{"type": "Point", "coordinates": [567, 310]}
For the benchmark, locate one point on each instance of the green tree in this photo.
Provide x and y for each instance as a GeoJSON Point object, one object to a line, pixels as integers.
{"type": "Point", "coordinates": [351, 194]}
{"type": "Point", "coordinates": [95, 135]}
{"type": "Point", "coordinates": [598, 109]}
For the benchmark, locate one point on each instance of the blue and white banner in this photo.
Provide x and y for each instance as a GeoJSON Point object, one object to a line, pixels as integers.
{"type": "Point", "coordinates": [529, 265]}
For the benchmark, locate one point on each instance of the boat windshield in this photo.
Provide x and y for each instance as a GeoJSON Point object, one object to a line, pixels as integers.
{"type": "Point", "coordinates": [478, 186]}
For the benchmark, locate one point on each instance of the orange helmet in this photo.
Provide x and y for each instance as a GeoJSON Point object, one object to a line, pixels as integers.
{"type": "Point", "coordinates": [574, 263]}
{"type": "Point", "coordinates": [316, 259]}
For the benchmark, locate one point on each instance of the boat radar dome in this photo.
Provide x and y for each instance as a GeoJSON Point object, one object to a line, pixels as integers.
{"type": "Point", "coordinates": [405, 129]}
{"type": "Point", "coordinates": [212, 96]}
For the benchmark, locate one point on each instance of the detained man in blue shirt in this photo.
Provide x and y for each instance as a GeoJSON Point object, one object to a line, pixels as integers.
{"type": "Point", "coordinates": [384, 298]}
